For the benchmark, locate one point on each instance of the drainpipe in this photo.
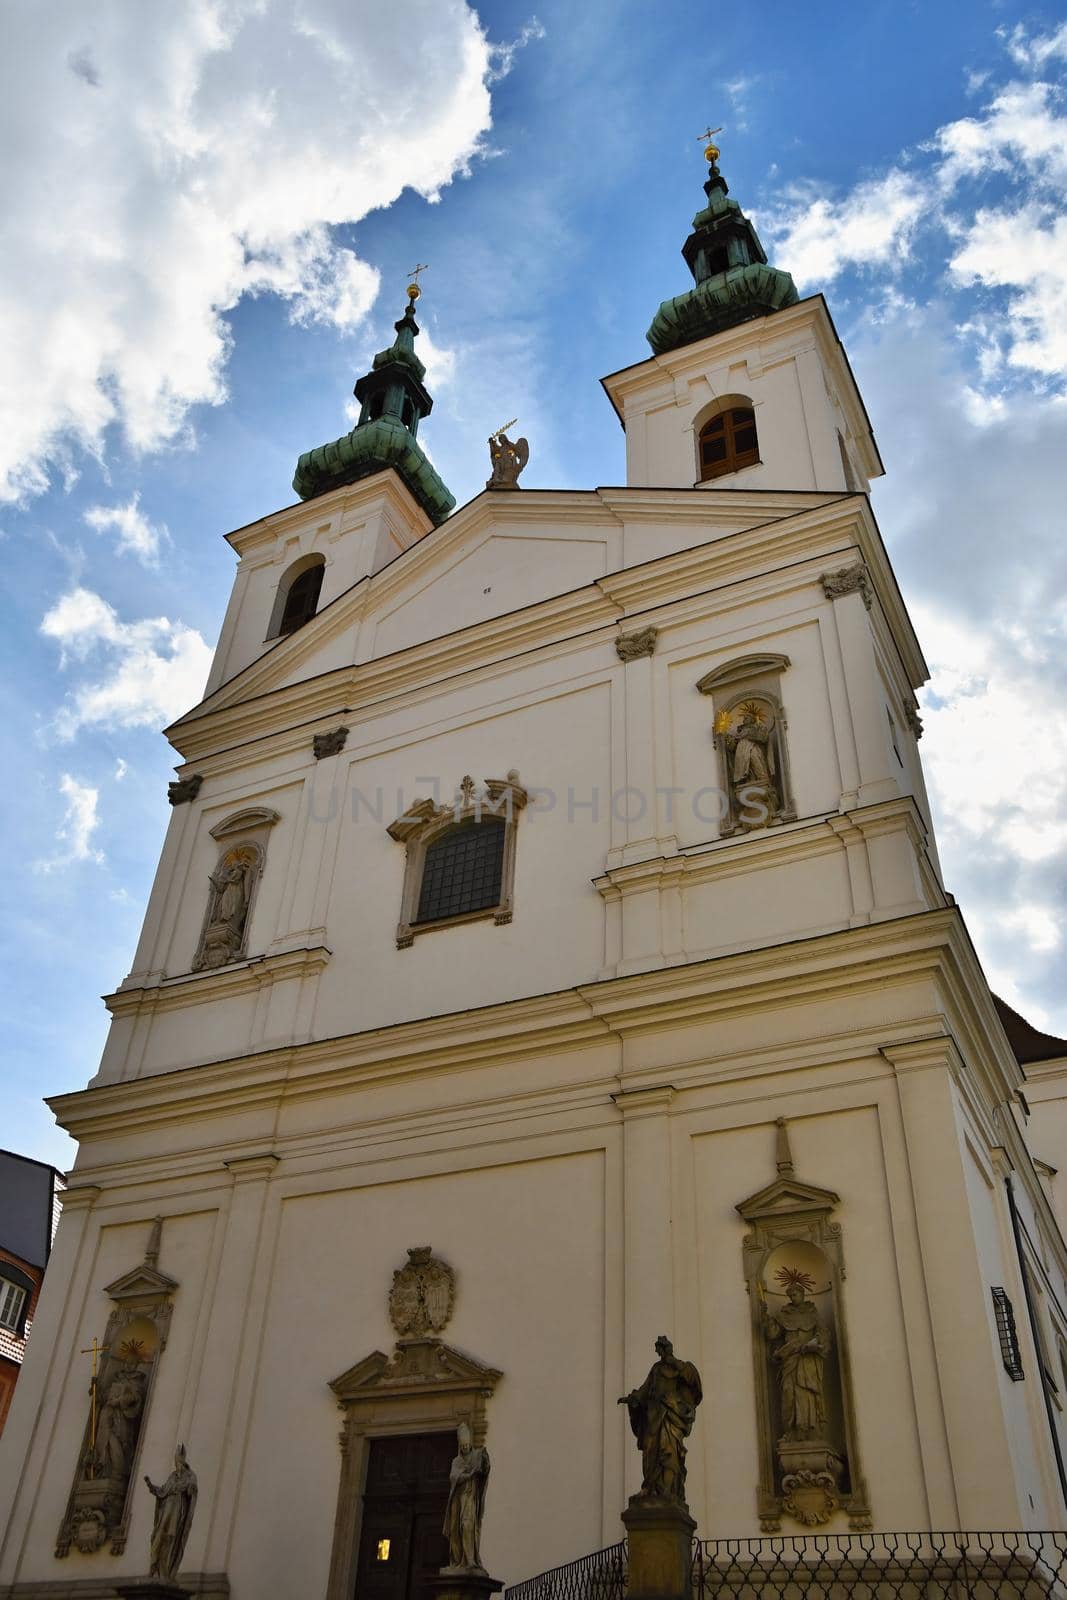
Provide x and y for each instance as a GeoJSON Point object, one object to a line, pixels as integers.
{"type": "Point", "coordinates": [1036, 1337]}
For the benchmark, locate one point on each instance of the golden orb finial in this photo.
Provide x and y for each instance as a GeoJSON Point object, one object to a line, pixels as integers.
{"type": "Point", "coordinates": [413, 287]}
{"type": "Point", "coordinates": [711, 149]}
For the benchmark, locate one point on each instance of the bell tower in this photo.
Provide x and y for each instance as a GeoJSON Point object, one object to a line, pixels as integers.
{"type": "Point", "coordinates": [748, 386]}
{"type": "Point", "coordinates": [393, 401]}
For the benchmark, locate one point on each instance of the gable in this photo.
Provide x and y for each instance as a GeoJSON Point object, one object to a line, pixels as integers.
{"type": "Point", "coordinates": [492, 560]}
{"type": "Point", "coordinates": [502, 572]}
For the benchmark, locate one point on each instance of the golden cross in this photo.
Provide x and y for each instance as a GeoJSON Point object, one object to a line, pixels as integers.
{"type": "Point", "coordinates": [709, 133]}
{"type": "Point", "coordinates": [414, 273]}
{"type": "Point", "coordinates": [95, 1350]}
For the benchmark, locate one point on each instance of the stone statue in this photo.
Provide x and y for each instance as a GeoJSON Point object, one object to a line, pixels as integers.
{"type": "Point", "coordinates": [230, 896]}
{"type": "Point", "coordinates": [466, 1504]}
{"type": "Point", "coordinates": [118, 1421]}
{"type": "Point", "coordinates": [751, 764]}
{"type": "Point", "coordinates": [750, 746]}
{"type": "Point", "coordinates": [508, 460]}
{"type": "Point", "coordinates": [175, 1504]}
{"type": "Point", "coordinates": [801, 1351]}
{"type": "Point", "coordinates": [661, 1416]}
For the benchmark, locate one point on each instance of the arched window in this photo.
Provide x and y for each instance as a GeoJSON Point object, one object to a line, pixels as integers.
{"type": "Point", "coordinates": [728, 442]}
{"type": "Point", "coordinates": [462, 870]}
{"type": "Point", "coordinates": [297, 599]}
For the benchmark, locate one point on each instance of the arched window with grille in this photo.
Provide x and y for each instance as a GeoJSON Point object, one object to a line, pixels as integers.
{"type": "Point", "coordinates": [297, 598]}
{"type": "Point", "coordinates": [727, 442]}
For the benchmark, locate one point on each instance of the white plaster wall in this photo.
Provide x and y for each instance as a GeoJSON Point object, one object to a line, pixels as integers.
{"type": "Point", "coordinates": [527, 1242]}
{"type": "Point", "coordinates": [558, 744]}
{"type": "Point", "coordinates": [788, 367]}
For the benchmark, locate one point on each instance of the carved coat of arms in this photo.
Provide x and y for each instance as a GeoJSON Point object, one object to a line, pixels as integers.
{"type": "Point", "coordinates": [422, 1295]}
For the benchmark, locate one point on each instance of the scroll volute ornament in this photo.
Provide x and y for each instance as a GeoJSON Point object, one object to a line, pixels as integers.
{"type": "Point", "coordinates": [805, 1413]}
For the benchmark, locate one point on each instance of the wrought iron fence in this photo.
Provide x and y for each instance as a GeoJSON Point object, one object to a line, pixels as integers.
{"type": "Point", "coordinates": [838, 1566]}
{"type": "Point", "coordinates": [883, 1566]}
{"type": "Point", "coordinates": [601, 1576]}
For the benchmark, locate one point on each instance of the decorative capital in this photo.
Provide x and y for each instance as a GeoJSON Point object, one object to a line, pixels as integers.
{"type": "Point", "coordinates": [329, 744]}
{"type": "Point", "coordinates": [182, 790]}
{"type": "Point", "coordinates": [914, 721]}
{"type": "Point", "coordinates": [632, 646]}
{"type": "Point", "coordinates": [847, 580]}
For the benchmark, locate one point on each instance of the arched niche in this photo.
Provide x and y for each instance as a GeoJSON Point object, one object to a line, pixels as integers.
{"type": "Point", "coordinates": [749, 737]}
{"type": "Point", "coordinates": [805, 1413]}
{"type": "Point", "coordinates": [233, 886]}
{"type": "Point", "coordinates": [296, 598]}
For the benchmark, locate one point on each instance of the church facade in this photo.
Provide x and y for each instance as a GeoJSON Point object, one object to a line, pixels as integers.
{"type": "Point", "coordinates": [549, 952]}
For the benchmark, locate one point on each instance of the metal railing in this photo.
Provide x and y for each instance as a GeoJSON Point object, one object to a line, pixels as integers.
{"type": "Point", "coordinates": [838, 1566]}
{"type": "Point", "coordinates": [601, 1576]}
{"type": "Point", "coordinates": [883, 1566]}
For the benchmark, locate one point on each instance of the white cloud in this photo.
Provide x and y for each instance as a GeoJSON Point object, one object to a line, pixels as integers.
{"type": "Point", "coordinates": [1019, 132]}
{"type": "Point", "coordinates": [145, 673]}
{"type": "Point", "coordinates": [502, 56]}
{"type": "Point", "coordinates": [80, 822]}
{"type": "Point", "coordinates": [817, 238]}
{"type": "Point", "coordinates": [157, 173]}
{"type": "Point", "coordinates": [121, 769]}
{"type": "Point", "coordinates": [136, 535]}
{"type": "Point", "coordinates": [971, 509]}
{"type": "Point", "coordinates": [1033, 53]}
{"type": "Point", "coordinates": [992, 254]}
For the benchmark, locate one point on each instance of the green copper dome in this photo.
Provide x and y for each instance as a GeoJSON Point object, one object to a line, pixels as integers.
{"type": "Point", "coordinates": [393, 402]}
{"type": "Point", "coordinates": [733, 282]}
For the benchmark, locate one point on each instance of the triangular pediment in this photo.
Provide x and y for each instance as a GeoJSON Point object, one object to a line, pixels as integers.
{"type": "Point", "coordinates": [141, 1283]}
{"type": "Point", "coordinates": [499, 556]}
{"type": "Point", "coordinates": [787, 1196]}
{"type": "Point", "coordinates": [416, 1365]}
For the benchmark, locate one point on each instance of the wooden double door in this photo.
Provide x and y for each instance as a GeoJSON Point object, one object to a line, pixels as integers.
{"type": "Point", "coordinates": [401, 1544]}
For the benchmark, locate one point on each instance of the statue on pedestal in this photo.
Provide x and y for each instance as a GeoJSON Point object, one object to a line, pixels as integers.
{"type": "Point", "coordinates": [507, 457]}
{"type": "Point", "coordinates": [662, 1412]}
{"type": "Point", "coordinates": [175, 1504]}
{"type": "Point", "coordinates": [466, 1504]}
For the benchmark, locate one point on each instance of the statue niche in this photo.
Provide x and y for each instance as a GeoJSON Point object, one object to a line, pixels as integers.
{"type": "Point", "coordinates": [229, 905]}
{"type": "Point", "coordinates": [748, 733]}
{"type": "Point", "coordinates": [808, 1449]}
{"type": "Point", "coordinates": [120, 1391]}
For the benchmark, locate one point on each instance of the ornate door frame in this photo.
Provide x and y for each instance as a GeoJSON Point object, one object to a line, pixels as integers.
{"type": "Point", "coordinates": [426, 1386]}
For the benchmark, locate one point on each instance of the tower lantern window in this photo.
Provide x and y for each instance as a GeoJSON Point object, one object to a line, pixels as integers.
{"type": "Point", "coordinates": [728, 442]}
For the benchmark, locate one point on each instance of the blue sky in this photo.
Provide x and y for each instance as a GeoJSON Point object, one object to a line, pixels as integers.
{"type": "Point", "coordinates": [209, 212]}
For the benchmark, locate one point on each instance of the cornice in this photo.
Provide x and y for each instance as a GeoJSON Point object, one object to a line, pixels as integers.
{"type": "Point", "coordinates": [931, 944]}
{"type": "Point", "coordinates": [220, 983]}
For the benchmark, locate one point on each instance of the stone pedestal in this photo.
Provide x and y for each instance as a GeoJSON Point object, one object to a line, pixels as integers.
{"type": "Point", "coordinates": [152, 1589]}
{"type": "Point", "coordinates": [464, 1583]}
{"type": "Point", "coordinates": [659, 1535]}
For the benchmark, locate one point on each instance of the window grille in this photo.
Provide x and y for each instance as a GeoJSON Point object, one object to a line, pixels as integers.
{"type": "Point", "coordinates": [1009, 1338]}
{"type": "Point", "coordinates": [11, 1301]}
{"type": "Point", "coordinates": [463, 870]}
